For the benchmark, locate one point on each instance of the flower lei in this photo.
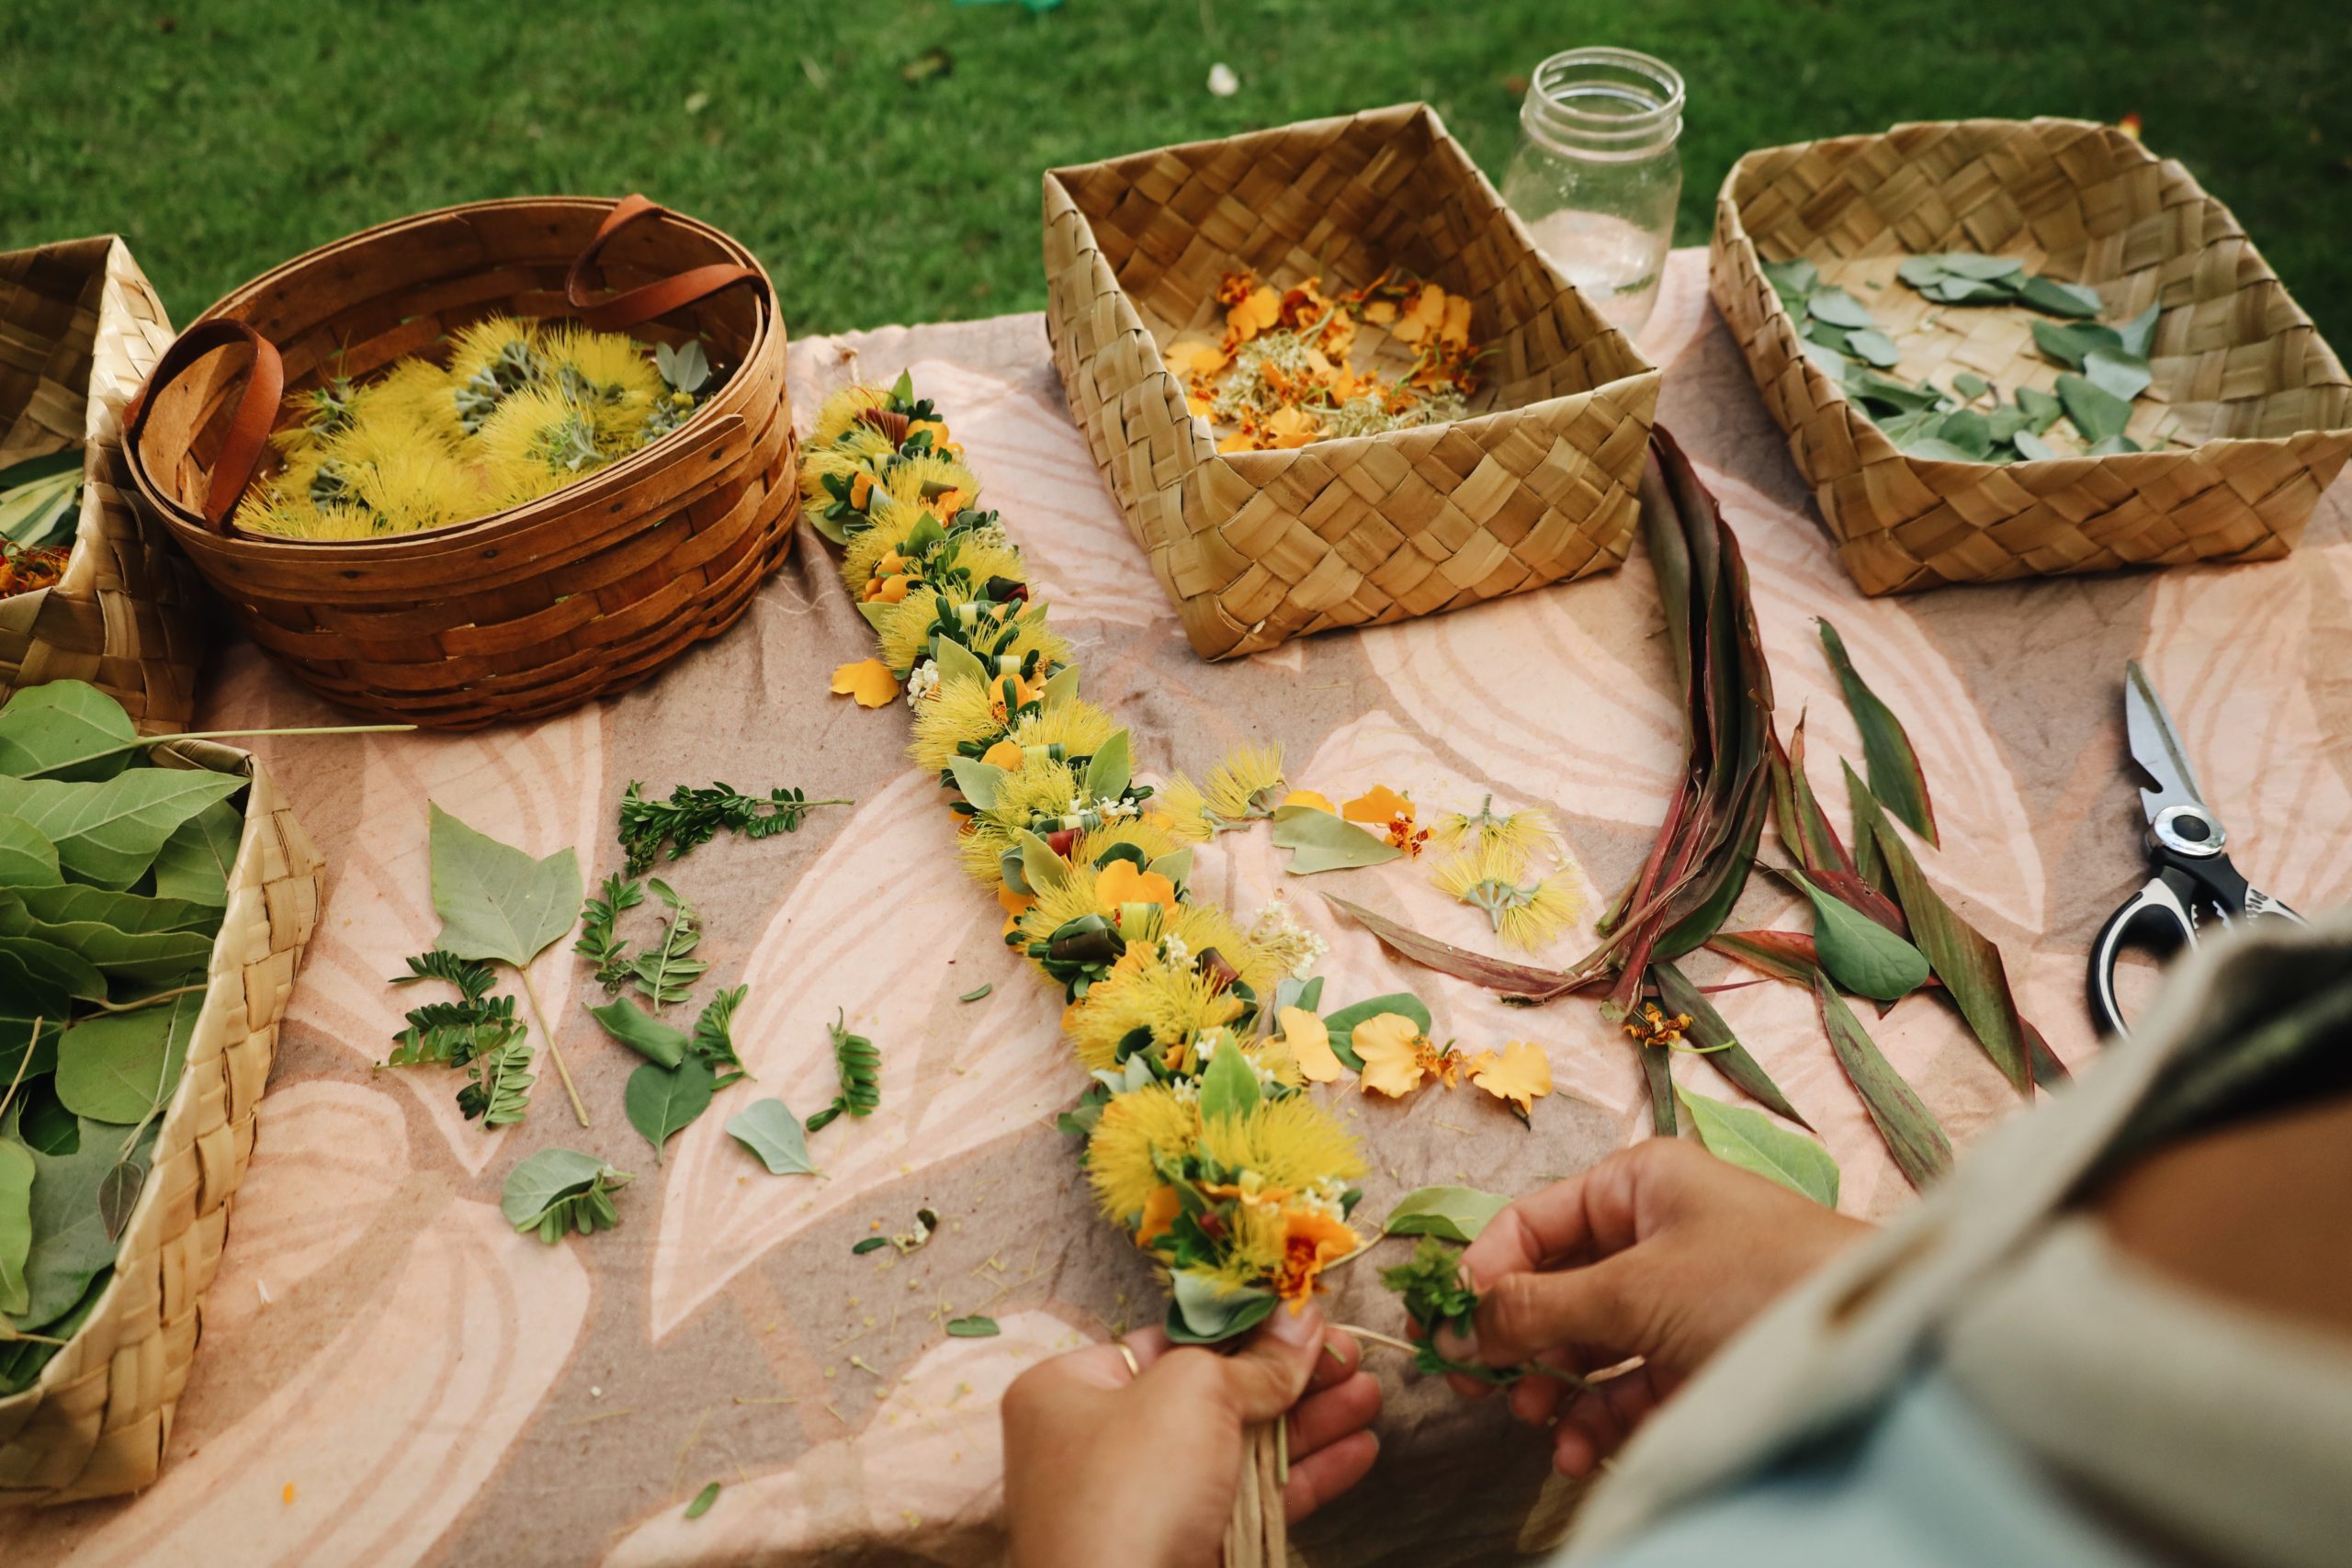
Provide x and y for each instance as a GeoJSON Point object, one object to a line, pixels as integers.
{"type": "Point", "coordinates": [1200, 1140]}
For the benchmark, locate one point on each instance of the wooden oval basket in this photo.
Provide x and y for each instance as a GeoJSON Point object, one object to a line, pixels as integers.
{"type": "Point", "coordinates": [525, 612]}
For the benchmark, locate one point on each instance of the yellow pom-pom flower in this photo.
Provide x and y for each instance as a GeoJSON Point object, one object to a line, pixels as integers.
{"type": "Point", "coordinates": [1495, 878]}
{"type": "Point", "coordinates": [1135, 1126]}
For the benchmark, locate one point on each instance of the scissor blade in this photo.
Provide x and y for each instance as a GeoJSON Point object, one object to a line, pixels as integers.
{"type": "Point", "coordinates": [2155, 746]}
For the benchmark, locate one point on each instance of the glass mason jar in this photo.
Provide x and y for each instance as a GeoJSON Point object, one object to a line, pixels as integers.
{"type": "Point", "coordinates": [1596, 175]}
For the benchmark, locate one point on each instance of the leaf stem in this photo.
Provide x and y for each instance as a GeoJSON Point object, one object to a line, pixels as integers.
{"type": "Point", "coordinates": [151, 1002]}
{"type": "Point", "coordinates": [145, 741]}
{"type": "Point", "coordinates": [562, 1071]}
{"type": "Point", "coordinates": [32, 1040]}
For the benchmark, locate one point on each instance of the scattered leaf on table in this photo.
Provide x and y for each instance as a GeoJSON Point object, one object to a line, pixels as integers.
{"type": "Point", "coordinates": [49, 729]}
{"type": "Point", "coordinates": [1784, 955]}
{"type": "Point", "coordinates": [662, 1102]}
{"type": "Point", "coordinates": [495, 900]}
{"type": "Point", "coordinates": [975, 994]}
{"type": "Point", "coordinates": [869, 1243]}
{"type": "Point", "coordinates": [1895, 775]}
{"type": "Point", "coordinates": [858, 1064]}
{"type": "Point", "coordinates": [1320, 841]}
{"type": "Point", "coordinates": [1456, 1213]}
{"type": "Point", "coordinates": [703, 1500]}
{"type": "Point", "coordinates": [639, 1031]}
{"type": "Point", "coordinates": [108, 834]}
{"type": "Point", "coordinates": [1754, 1141]}
{"type": "Point", "coordinates": [974, 1327]}
{"type": "Point", "coordinates": [121, 1066]}
{"type": "Point", "coordinates": [558, 1189]}
{"type": "Point", "coordinates": [1499, 974]}
{"type": "Point", "coordinates": [1920, 1149]}
{"type": "Point", "coordinates": [1858, 953]}
{"type": "Point", "coordinates": [1965, 959]}
{"type": "Point", "coordinates": [1340, 1027]}
{"type": "Point", "coordinates": [1657, 1077]}
{"type": "Point", "coordinates": [771, 1132]}
{"type": "Point", "coordinates": [1722, 1048]}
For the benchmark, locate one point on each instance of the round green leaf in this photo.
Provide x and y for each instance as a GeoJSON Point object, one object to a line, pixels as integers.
{"type": "Point", "coordinates": [1753, 1141]}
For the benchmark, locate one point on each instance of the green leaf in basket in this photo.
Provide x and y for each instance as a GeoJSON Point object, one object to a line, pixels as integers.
{"type": "Point", "coordinates": [26, 998]}
{"type": "Point", "coordinates": [2138, 336]}
{"type": "Point", "coordinates": [1453, 1214]}
{"type": "Point", "coordinates": [1895, 775]}
{"type": "Point", "coordinates": [1754, 1141]}
{"type": "Point", "coordinates": [120, 1067]}
{"type": "Point", "coordinates": [1980, 268]}
{"type": "Point", "coordinates": [27, 860]}
{"type": "Point", "coordinates": [39, 966]}
{"type": "Point", "coordinates": [41, 511]}
{"type": "Point", "coordinates": [2058, 299]}
{"type": "Point", "coordinates": [2040, 409]}
{"type": "Point", "coordinates": [2097, 413]}
{"type": "Point", "coordinates": [1969, 386]}
{"type": "Point", "coordinates": [1936, 449]}
{"type": "Point", "coordinates": [70, 1241]}
{"type": "Point", "coordinates": [2031, 446]}
{"type": "Point", "coordinates": [1969, 431]}
{"type": "Point", "coordinates": [664, 1101]}
{"type": "Point", "coordinates": [49, 729]}
{"type": "Point", "coordinates": [1920, 271]}
{"type": "Point", "coordinates": [1791, 280]}
{"type": "Point", "coordinates": [1838, 308]}
{"type": "Point", "coordinates": [2071, 344]}
{"type": "Point", "coordinates": [194, 862]}
{"type": "Point", "coordinates": [108, 834]}
{"type": "Point", "coordinates": [150, 944]}
{"type": "Point", "coordinates": [2119, 374]}
{"type": "Point", "coordinates": [1920, 1149]}
{"type": "Point", "coordinates": [2114, 446]}
{"type": "Point", "coordinates": [1873, 347]}
{"type": "Point", "coordinates": [1861, 955]}
{"type": "Point", "coordinates": [1954, 289]}
{"type": "Point", "coordinates": [1831, 362]}
{"type": "Point", "coordinates": [1876, 391]}
{"type": "Point", "coordinates": [495, 900]}
{"type": "Point", "coordinates": [15, 1224]}
{"type": "Point", "coordinates": [1320, 841]}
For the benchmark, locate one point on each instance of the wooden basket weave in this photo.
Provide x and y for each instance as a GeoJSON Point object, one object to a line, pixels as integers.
{"type": "Point", "coordinates": [1256, 548]}
{"type": "Point", "coordinates": [2248, 414]}
{"type": "Point", "coordinates": [529, 611]}
{"type": "Point", "coordinates": [79, 330]}
{"type": "Point", "coordinates": [96, 1424]}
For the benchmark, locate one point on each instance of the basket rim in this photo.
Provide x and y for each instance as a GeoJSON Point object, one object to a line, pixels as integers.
{"type": "Point", "coordinates": [701, 424]}
{"type": "Point", "coordinates": [1731, 243]}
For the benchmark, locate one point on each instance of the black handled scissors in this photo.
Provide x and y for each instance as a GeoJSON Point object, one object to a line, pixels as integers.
{"type": "Point", "coordinates": [2185, 846]}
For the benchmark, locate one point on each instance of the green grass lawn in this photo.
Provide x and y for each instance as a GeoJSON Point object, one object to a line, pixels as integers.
{"type": "Point", "coordinates": [222, 138]}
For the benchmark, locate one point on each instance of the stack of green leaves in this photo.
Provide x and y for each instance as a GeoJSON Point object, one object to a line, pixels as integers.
{"type": "Point", "coordinates": [113, 882]}
{"type": "Point", "coordinates": [2106, 367]}
{"type": "Point", "coordinates": [40, 498]}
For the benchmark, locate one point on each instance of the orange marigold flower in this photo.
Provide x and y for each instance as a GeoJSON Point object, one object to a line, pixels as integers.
{"type": "Point", "coordinates": [1312, 1242]}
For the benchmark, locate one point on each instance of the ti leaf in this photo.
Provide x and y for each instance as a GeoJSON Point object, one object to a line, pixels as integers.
{"type": "Point", "coordinates": [1320, 841]}
{"type": "Point", "coordinates": [51, 730]}
{"type": "Point", "coordinates": [1961, 956]}
{"type": "Point", "coordinates": [108, 834]}
{"type": "Point", "coordinates": [1108, 772]}
{"type": "Point", "coordinates": [495, 900]}
{"type": "Point", "coordinates": [1920, 1149]}
{"type": "Point", "coordinates": [1754, 1141]}
{"type": "Point", "coordinates": [771, 1132]}
{"type": "Point", "coordinates": [1895, 775]}
{"type": "Point", "coordinates": [1716, 1040]}
{"type": "Point", "coordinates": [1455, 1213]}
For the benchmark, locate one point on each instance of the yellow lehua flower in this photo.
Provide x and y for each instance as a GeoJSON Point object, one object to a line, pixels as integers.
{"type": "Point", "coordinates": [536, 441]}
{"type": "Point", "coordinates": [888, 522]}
{"type": "Point", "coordinates": [1528, 832]}
{"type": "Point", "coordinates": [270, 507]}
{"type": "Point", "coordinates": [1236, 785]}
{"type": "Point", "coordinates": [1291, 1142]}
{"type": "Point", "coordinates": [1134, 1127]}
{"type": "Point", "coordinates": [415, 396]}
{"type": "Point", "coordinates": [1201, 927]}
{"type": "Point", "coordinates": [957, 712]}
{"type": "Point", "coordinates": [1039, 787]}
{"type": "Point", "coordinates": [1185, 808]}
{"type": "Point", "coordinates": [1089, 847]}
{"type": "Point", "coordinates": [1526, 914]}
{"type": "Point", "coordinates": [609, 377]}
{"type": "Point", "coordinates": [488, 342]}
{"type": "Point", "coordinates": [838, 415]}
{"type": "Point", "coordinates": [904, 631]}
{"type": "Point", "coordinates": [980, 850]}
{"type": "Point", "coordinates": [864, 449]}
{"type": "Point", "coordinates": [1144, 991]}
{"type": "Point", "coordinates": [1081, 729]}
{"type": "Point", "coordinates": [417, 486]}
{"type": "Point", "coordinates": [939, 485]}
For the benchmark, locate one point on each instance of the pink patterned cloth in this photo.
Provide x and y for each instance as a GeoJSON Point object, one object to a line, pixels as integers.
{"type": "Point", "coordinates": [433, 1388]}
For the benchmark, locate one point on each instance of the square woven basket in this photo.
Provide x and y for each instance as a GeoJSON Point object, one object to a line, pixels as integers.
{"type": "Point", "coordinates": [1256, 548]}
{"type": "Point", "coordinates": [79, 330]}
{"type": "Point", "coordinates": [2247, 421]}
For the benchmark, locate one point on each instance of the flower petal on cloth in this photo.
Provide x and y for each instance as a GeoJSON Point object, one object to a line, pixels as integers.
{"type": "Point", "coordinates": [1310, 1045]}
{"type": "Point", "coordinates": [1379, 805]}
{"type": "Point", "coordinates": [867, 679]}
{"type": "Point", "coordinates": [1521, 1074]}
{"type": "Point", "coordinates": [1389, 1044]}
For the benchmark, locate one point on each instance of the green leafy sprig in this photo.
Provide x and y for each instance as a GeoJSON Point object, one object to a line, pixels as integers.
{"type": "Point", "coordinates": [600, 942]}
{"type": "Point", "coordinates": [714, 1038]}
{"type": "Point", "coordinates": [1437, 1295]}
{"type": "Point", "coordinates": [665, 973]}
{"type": "Point", "coordinates": [451, 1034]}
{"type": "Point", "coordinates": [692, 817]}
{"type": "Point", "coordinates": [499, 1091]}
{"type": "Point", "coordinates": [860, 1066]}
{"type": "Point", "coordinates": [556, 1191]}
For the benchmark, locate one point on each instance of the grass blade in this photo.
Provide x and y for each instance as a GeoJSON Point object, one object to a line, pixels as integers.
{"type": "Point", "coordinates": [1920, 1149]}
{"type": "Point", "coordinates": [1723, 1051]}
{"type": "Point", "coordinates": [1895, 775]}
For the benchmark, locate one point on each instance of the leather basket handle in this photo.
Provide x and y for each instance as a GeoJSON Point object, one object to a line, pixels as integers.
{"type": "Point", "coordinates": [646, 301]}
{"type": "Point", "coordinates": [249, 428]}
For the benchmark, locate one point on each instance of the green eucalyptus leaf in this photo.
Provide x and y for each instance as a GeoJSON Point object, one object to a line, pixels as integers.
{"type": "Point", "coordinates": [1202, 1309]}
{"type": "Point", "coordinates": [1831, 362]}
{"type": "Point", "coordinates": [1969, 431]}
{"type": "Point", "coordinates": [1754, 1141]}
{"type": "Point", "coordinates": [2095, 413]}
{"type": "Point", "coordinates": [1954, 289]}
{"type": "Point", "coordinates": [2059, 298]}
{"type": "Point", "coordinates": [662, 1102]}
{"type": "Point", "coordinates": [27, 859]}
{"type": "Point", "coordinates": [2138, 336]}
{"type": "Point", "coordinates": [2114, 446]}
{"type": "Point", "coordinates": [121, 1067]}
{"type": "Point", "coordinates": [1874, 346]}
{"type": "Point", "coordinates": [2070, 344]}
{"type": "Point", "coordinates": [1936, 449]}
{"type": "Point", "coordinates": [771, 1132]}
{"type": "Point", "coordinates": [1230, 1085]}
{"type": "Point", "coordinates": [1861, 955]}
{"type": "Point", "coordinates": [981, 783]}
{"type": "Point", "coordinates": [1062, 688]}
{"type": "Point", "coordinates": [108, 833]}
{"type": "Point", "coordinates": [1791, 279]}
{"type": "Point", "coordinates": [2040, 409]}
{"type": "Point", "coordinates": [1980, 269]}
{"type": "Point", "coordinates": [1838, 308]}
{"type": "Point", "coordinates": [1319, 841]}
{"type": "Point", "coordinates": [49, 729]}
{"type": "Point", "coordinates": [1970, 385]}
{"type": "Point", "coordinates": [974, 1327]}
{"type": "Point", "coordinates": [1342, 1023]}
{"type": "Point", "coordinates": [495, 900]}
{"type": "Point", "coordinates": [1108, 771]}
{"type": "Point", "coordinates": [194, 862]}
{"type": "Point", "coordinates": [1455, 1213]}
{"type": "Point", "coordinates": [2113, 371]}
{"type": "Point", "coordinates": [657, 1042]}
{"type": "Point", "coordinates": [1829, 337]}
{"type": "Point", "coordinates": [2032, 447]}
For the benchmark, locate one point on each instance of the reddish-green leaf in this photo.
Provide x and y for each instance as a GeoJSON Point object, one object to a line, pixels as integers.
{"type": "Point", "coordinates": [1804, 829]}
{"type": "Point", "coordinates": [1868, 864]}
{"type": "Point", "coordinates": [1920, 1149]}
{"type": "Point", "coordinates": [1894, 767]}
{"type": "Point", "coordinates": [1711, 1035]}
{"type": "Point", "coordinates": [1658, 1072]}
{"type": "Point", "coordinates": [2048, 1070]}
{"type": "Point", "coordinates": [1784, 955]}
{"type": "Point", "coordinates": [1963, 958]}
{"type": "Point", "coordinates": [1520, 980]}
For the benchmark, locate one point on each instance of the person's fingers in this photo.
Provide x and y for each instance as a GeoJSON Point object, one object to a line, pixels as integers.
{"type": "Point", "coordinates": [1573, 1454]}
{"type": "Point", "coordinates": [1102, 1366]}
{"type": "Point", "coordinates": [1148, 1345]}
{"type": "Point", "coordinates": [1336, 1361]}
{"type": "Point", "coordinates": [1327, 1473]}
{"type": "Point", "coordinates": [1534, 1398]}
{"type": "Point", "coordinates": [1592, 1415]}
{"type": "Point", "coordinates": [1263, 1378]}
{"type": "Point", "coordinates": [1601, 1304]}
{"type": "Point", "coordinates": [1468, 1387]}
{"type": "Point", "coordinates": [1321, 1419]}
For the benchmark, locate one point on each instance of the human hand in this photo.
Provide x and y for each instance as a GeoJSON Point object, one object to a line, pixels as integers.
{"type": "Point", "coordinates": [1660, 1251]}
{"type": "Point", "coordinates": [1103, 1464]}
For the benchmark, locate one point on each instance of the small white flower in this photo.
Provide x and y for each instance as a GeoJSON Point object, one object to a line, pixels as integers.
{"type": "Point", "coordinates": [1173, 950]}
{"type": "Point", "coordinates": [922, 682]}
{"type": "Point", "coordinates": [1223, 83]}
{"type": "Point", "coordinates": [1185, 1090]}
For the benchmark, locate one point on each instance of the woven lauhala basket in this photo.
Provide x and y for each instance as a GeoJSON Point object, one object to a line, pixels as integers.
{"type": "Point", "coordinates": [1256, 548]}
{"type": "Point", "coordinates": [96, 1424]}
{"type": "Point", "coordinates": [2248, 419]}
{"type": "Point", "coordinates": [79, 330]}
{"type": "Point", "coordinates": [530, 611]}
